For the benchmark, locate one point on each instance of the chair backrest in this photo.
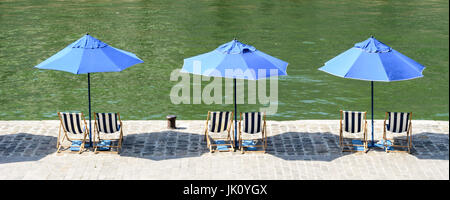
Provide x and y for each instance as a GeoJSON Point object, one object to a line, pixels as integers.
{"type": "Point", "coordinates": [398, 122]}
{"type": "Point", "coordinates": [219, 121]}
{"type": "Point", "coordinates": [353, 121]}
{"type": "Point", "coordinates": [252, 122]}
{"type": "Point", "coordinates": [72, 122]}
{"type": "Point", "coordinates": [107, 122]}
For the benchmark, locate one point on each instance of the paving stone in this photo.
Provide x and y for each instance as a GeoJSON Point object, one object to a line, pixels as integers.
{"type": "Point", "coordinates": [304, 149]}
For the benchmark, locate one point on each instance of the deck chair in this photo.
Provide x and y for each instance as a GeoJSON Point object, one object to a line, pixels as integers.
{"type": "Point", "coordinates": [352, 124]}
{"type": "Point", "coordinates": [75, 131]}
{"type": "Point", "coordinates": [108, 132]}
{"type": "Point", "coordinates": [253, 131]}
{"type": "Point", "coordinates": [218, 132]}
{"type": "Point", "coordinates": [398, 122]}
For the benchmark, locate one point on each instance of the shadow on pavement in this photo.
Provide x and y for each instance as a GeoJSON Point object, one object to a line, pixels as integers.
{"type": "Point", "coordinates": [172, 144]}
{"type": "Point", "coordinates": [22, 147]}
{"type": "Point", "coordinates": [305, 146]}
{"type": "Point", "coordinates": [430, 146]}
{"type": "Point", "coordinates": [163, 145]}
{"type": "Point", "coordinates": [325, 146]}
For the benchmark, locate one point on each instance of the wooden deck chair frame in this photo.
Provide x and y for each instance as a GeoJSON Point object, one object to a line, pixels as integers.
{"type": "Point", "coordinates": [408, 136]}
{"type": "Point", "coordinates": [119, 140]}
{"type": "Point", "coordinates": [59, 144]}
{"type": "Point", "coordinates": [342, 137]}
{"type": "Point", "coordinates": [263, 136]}
{"type": "Point", "coordinates": [210, 146]}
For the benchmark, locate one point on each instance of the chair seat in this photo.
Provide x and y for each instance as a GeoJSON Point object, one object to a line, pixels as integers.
{"type": "Point", "coordinates": [353, 135]}
{"type": "Point", "coordinates": [77, 137]}
{"type": "Point", "coordinates": [254, 136]}
{"type": "Point", "coordinates": [109, 136]}
{"type": "Point", "coordinates": [222, 135]}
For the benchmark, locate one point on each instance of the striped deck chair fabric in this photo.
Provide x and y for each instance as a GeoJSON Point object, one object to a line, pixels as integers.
{"type": "Point", "coordinates": [217, 131]}
{"type": "Point", "coordinates": [353, 121]}
{"type": "Point", "coordinates": [72, 122]}
{"type": "Point", "coordinates": [398, 122]}
{"type": "Point", "coordinates": [253, 134]}
{"type": "Point", "coordinates": [107, 122]}
{"type": "Point", "coordinates": [252, 122]}
{"type": "Point", "coordinates": [108, 133]}
{"type": "Point", "coordinates": [75, 124]}
{"type": "Point", "coordinates": [219, 121]}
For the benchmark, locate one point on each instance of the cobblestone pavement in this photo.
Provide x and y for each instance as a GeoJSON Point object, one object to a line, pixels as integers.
{"type": "Point", "coordinates": [304, 149]}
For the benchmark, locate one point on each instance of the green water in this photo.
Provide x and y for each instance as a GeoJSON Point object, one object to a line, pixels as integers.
{"type": "Point", "coordinates": [162, 33]}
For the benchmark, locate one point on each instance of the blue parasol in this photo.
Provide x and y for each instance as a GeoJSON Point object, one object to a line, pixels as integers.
{"type": "Point", "coordinates": [88, 55]}
{"type": "Point", "coordinates": [371, 60]}
{"type": "Point", "coordinates": [238, 58]}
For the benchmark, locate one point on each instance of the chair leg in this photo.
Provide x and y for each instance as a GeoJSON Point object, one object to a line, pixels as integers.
{"type": "Point", "coordinates": [264, 148]}
{"type": "Point", "coordinates": [119, 148]}
{"type": "Point", "coordinates": [409, 142]}
{"type": "Point", "coordinates": [240, 146]}
{"type": "Point", "coordinates": [386, 146]}
{"type": "Point", "coordinates": [366, 148]}
{"type": "Point", "coordinates": [58, 146]}
{"type": "Point", "coordinates": [59, 149]}
{"type": "Point", "coordinates": [229, 139]}
{"type": "Point", "coordinates": [95, 148]}
{"type": "Point", "coordinates": [81, 147]}
{"type": "Point", "coordinates": [59, 143]}
{"type": "Point", "coordinates": [342, 143]}
{"type": "Point", "coordinates": [207, 143]}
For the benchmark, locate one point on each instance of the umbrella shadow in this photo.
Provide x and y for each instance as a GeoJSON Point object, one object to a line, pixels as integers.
{"type": "Point", "coordinates": [21, 147]}
{"type": "Point", "coordinates": [427, 145]}
{"type": "Point", "coordinates": [163, 145]}
{"type": "Point", "coordinates": [321, 146]}
{"type": "Point", "coordinates": [305, 146]}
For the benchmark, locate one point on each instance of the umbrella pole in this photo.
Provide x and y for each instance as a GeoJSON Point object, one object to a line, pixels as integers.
{"type": "Point", "coordinates": [235, 115]}
{"type": "Point", "coordinates": [89, 96]}
{"type": "Point", "coordinates": [371, 85]}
